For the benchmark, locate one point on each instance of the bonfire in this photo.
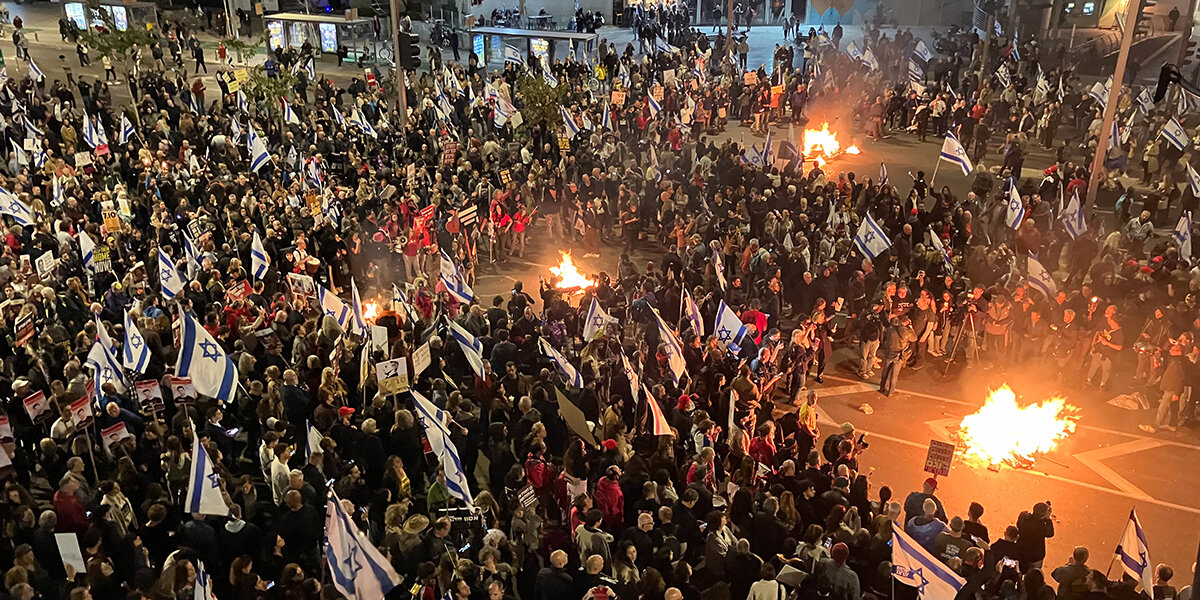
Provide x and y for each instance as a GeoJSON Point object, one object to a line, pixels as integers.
{"type": "Point", "coordinates": [568, 275]}
{"type": "Point", "coordinates": [1003, 431]}
{"type": "Point", "coordinates": [821, 145]}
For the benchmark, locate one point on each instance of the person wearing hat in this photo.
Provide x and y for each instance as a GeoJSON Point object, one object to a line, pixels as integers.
{"type": "Point", "coordinates": [829, 449]}
{"type": "Point", "coordinates": [841, 579]}
{"type": "Point", "coordinates": [915, 500]}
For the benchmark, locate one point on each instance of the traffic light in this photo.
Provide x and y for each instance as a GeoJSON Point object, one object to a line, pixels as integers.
{"type": "Point", "coordinates": [1142, 24]}
{"type": "Point", "coordinates": [410, 51]}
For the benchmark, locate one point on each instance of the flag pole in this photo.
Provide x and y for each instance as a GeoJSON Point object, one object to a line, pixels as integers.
{"type": "Point", "coordinates": [936, 166]}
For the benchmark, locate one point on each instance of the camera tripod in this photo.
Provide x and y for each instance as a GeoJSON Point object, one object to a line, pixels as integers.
{"type": "Point", "coordinates": [969, 319]}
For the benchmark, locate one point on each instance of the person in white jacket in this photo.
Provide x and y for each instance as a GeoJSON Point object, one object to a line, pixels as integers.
{"type": "Point", "coordinates": [766, 588]}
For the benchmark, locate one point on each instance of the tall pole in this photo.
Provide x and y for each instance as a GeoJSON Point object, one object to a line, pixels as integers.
{"type": "Point", "coordinates": [728, 26]}
{"type": "Point", "coordinates": [401, 75]}
{"type": "Point", "coordinates": [1114, 94]}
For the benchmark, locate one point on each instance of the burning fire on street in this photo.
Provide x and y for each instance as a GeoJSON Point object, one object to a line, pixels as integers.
{"type": "Point", "coordinates": [569, 277]}
{"type": "Point", "coordinates": [821, 145]}
{"type": "Point", "coordinates": [370, 310]}
{"type": "Point", "coordinates": [1004, 432]}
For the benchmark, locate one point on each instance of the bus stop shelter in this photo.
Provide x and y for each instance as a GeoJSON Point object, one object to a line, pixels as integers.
{"type": "Point", "coordinates": [140, 15]}
{"type": "Point", "coordinates": [488, 43]}
{"type": "Point", "coordinates": [325, 32]}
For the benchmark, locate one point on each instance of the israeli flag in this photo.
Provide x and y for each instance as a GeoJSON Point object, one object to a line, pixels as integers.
{"type": "Point", "coordinates": [1003, 75]}
{"type": "Point", "coordinates": [914, 566]}
{"type": "Point", "coordinates": [1175, 134]}
{"type": "Point", "coordinates": [854, 51]}
{"type": "Point", "coordinates": [204, 584]}
{"type": "Point", "coordinates": [1145, 101]}
{"type": "Point", "coordinates": [258, 149]}
{"type": "Point", "coordinates": [137, 353]}
{"type": "Point", "coordinates": [661, 45]}
{"type": "Point", "coordinates": [94, 134]}
{"type": "Point", "coordinates": [168, 277]}
{"type": "Point", "coordinates": [235, 129]}
{"type": "Point", "coordinates": [13, 207]}
{"type": "Point", "coordinates": [31, 130]}
{"type": "Point", "coordinates": [58, 199]}
{"type": "Point", "coordinates": [34, 72]}
{"type": "Point", "coordinates": [869, 58]}
{"type": "Point", "coordinates": [204, 485]}
{"type": "Point", "coordinates": [87, 250]}
{"type": "Point", "coordinates": [472, 348]}
{"type": "Point", "coordinates": [358, 324]}
{"type": "Point", "coordinates": [193, 255]}
{"type": "Point", "coordinates": [512, 55]}
{"type": "Point", "coordinates": [1043, 85]}
{"type": "Point", "coordinates": [870, 239]}
{"type": "Point", "coordinates": [915, 72]}
{"type": "Point", "coordinates": [606, 122]}
{"type": "Point", "coordinates": [127, 131]}
{"type": "Point", "coordinates": [588, 125]}
{"type": "Point", "coordinates": [339, 118]}
{"type": "Point", "coordinates": [626, 79]}
{"type": "Point", "coordinates": [242, 104]}
{"type": "Point", "coordinates": [655, 107]}
{"type": "Point", "coordinates": [570, 373]}
{"type": "Point", "coordinates": [729, 329]}
{"type": "Point", "coordinates": [1072, 217]}
{"type": "Point", "coordinates": [1040, 279]}
{"type": "Point", "coordinates": [289, 115]}
{"type": "Point", "coordinates": [549, 78]}
{"type": "Point", "coordinates": [1114, 136]}
{"type": "Point", "coordinates": [503, 113]}
{"type": "Point", "coordinates": [103, 361]}
{"type": "Point", "coordinates": [1099, 91]}
{"type": "Point", "coordinates": [259, 261]}
{"type": "Point", "coordinates": [333, 306]}
{"type": "Point", "coordinates": [595, 320]}
{"type": "Point", "coordinates": [883, 174]}
{"type": "Point", "coordinates": [922, 51]}
{"type": "Point", "coordinates": [1187, 102]}
{"type": "Point", "coordinates": [692, 312]}
{"type": "Point", "coordinates": [202, 359]}
{"type": "Point", "coordinates": [357, 118]}
{"type": "Point", "coordinates": [674, 349]}
{"type": "Point", "coordinates": [1134, 554]}
{"type": "Point", "coordinates": [1014, 214]}
{"type": "Point", "coordinates": [635, 382]}
{"type": "Point", "coordinates": [434, 421]}
{"type": "Point", "coordinates": [569, 126]}
{"type": "Point", "coordinates": [1016, 52]}
{"type": "Point", "coordinates": [941, 248]}
{"type": "Point", "coordinates": [719, 268]}
{"type": "Point", "coordinates": [454, 281]}
{"type": "Point", "coordinates": [1183, 235]}
{"type": "Point", "coordinates": [358, 569]}
{"type": "Point", "coordinates": [953, 151]}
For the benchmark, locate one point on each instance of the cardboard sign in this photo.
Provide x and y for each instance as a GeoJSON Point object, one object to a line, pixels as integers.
{"type": "Point", "coordinates": [82, 159]}
{"type": "Point", "coordinates": [302, 286]}
{"type": "Point", "coordinates": [68, 549]}
{"type": "Point", "coordinates": [939, 458]}
{"type": "Point", "coordinates": [25, 328]}
{"type": "Point", "coordinates": [618, 97]}
{"type": "Point", "coordinates": [528, 497]}
{"type": "Point", "coordinates": [411, 172]}
{"type": "Point", "coordinates": [564, 142]}
{"type": "Point", "coordinates": [196, 229]}
{"type": "Point", "coordinates": [669, 77]}
{"type": "Point", "coordinates": [657, 92]}
{"type": "Point", "coordinates": [6, 432]}
{"type": "Point", "coordinates": [182, 390]}
{"type": "Point", "coordinates": [111, 436]}
{"type": "Point", "coordinates": [371, 81]}
{"type": "Point", "coordinates": [750, 78]}
{"type": "Point", "coordinates": [234, 86]}
{"type": "Point", "coordinates": [505, 176]}
{"type": "Point", "coordinates": [149, 395]}
{"type": "Point", "coordinates": [37, 406]}
{"type": "Point", "coordinates": [81, 411]}
{"type": "Point", "coordinates": [102, 258]}
{"type": "Point", "coordinates": [238, 291]}
{"type": "Point", "coordinates": [421, 359]}
{"type": "Point", "coordinates": [46, 263]}
{"type": "Point", "coordinates": [242, 75]}
{"type": "Point", "coordinates": [379, 338]}
{"type": "Point", "coordinates": [449, 153]}
{"type": "Point", "coordinates": [112, 221]}
{"type": "Point", "coordinates": [392, 376]}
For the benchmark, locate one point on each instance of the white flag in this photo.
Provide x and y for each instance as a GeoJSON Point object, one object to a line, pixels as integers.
{"type": "Point", "coordinates": [1040, 279]}
{"type": "Point", "coordinates": [916, 567]}
{"type": "Point", "coordinates": [204, 485]}
{"type": "Point", "coordinates": [259, 260]}
{"type": "Point", "coordinates": [203, 359]}
{"type": "Point", "coordinates": [137, 353]}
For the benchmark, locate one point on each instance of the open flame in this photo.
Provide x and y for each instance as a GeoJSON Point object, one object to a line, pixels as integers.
{"type": "Point", "coordinates": [820, 145]}
{"type": "Point", "coordinates": [370, 310]}
{"type": "Point", "coordinates": [1002, 431]}
{"type": "Point", "coordinates": [568, 275]}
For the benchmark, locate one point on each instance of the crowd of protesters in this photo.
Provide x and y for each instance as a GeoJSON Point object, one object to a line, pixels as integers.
{"type": "Point", "coordinates": [742, 489]}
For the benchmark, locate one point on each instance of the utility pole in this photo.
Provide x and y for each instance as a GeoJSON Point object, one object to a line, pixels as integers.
{"type": "Point", "coordinates": [728, 26]}
{"type": "Point", "coordinates": [401, 74]}
{"type": "Point", "coordinates": [1114, 95]}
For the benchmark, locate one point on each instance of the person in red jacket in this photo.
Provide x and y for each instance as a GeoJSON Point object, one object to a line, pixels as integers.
{"type": "Point", "coordinates": [610, 500]}
{"type": "Point", "coordinates": [72, 518]}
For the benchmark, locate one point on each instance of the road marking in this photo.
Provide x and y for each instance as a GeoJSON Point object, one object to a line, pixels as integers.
{"type": "Point", "coordinates": [842, 390]}
{"type": "Point", "coordinates": [976, 405]}
{"type": "Point", "coordinates": [1093, 459]}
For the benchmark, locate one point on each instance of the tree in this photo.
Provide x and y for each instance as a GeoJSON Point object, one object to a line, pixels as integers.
{"type": "Point", "coordinates": [112, 43]}
{"type": "Point", "coordinates": [541, 102]}
{"type": "Point", "coordinates": [243, 49]}
{"type": "Point", "coordinates": [261, 86]}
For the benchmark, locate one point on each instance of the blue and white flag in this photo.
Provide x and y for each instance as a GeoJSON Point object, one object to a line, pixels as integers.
{"type": "Point", "coordinates": [936, 241]}
{"type": "Point", "coordinates": [1014, 213]}
{"type": "Point", "coordinates": [1040, 279]}
{"type": "Point", "coordinates": [87, 251]}
{"type": "Point", "coordinates": [854, 51]}
{"type": "Point", "coordinates": [692, 312]}
{"type": "Point", "coordinates": [259, 260]}
{"type": "Point", "coordinates": [1114, 136]}
{"type": "Point", "coordinates": [169, 280]}
{"type": "Point", "coordinates": [204, 485]}
{"type": "Point", "coordinates": [728, 328]}
{"type": "Point", "coordinates": [1073, 218]}
{"type": "Point", "coordinates": [1145, 101]}
{"type": "Point", "coordinates": [357, 568]}
{"type": "Point", "coordinates": [512, 55]}
{"type": "Point", "coordinates": [1187, 103]}
{"type": "Point", "coordinates": [194, 258]}
{"type": "Point", "coordinates": [35, 73]}
{"type": "Point", "coordinates": [1043, 84]}
{"type": "Point", "coordinates": [31, 130]}
{"type": "Point", "coordinates": [674, 349]}
{"type": "Point", "coordinates": [719, 268]}
{"type": "Point", "coordinates": [870, 60]}
{"type": "Point", "coordinates": [658, 421]}
{"type": "Point", "coordinates": [137, 353]}
{"type": "Point", "coordinates": [434, 420]}
{"type": "Point", "coordinates": [548, 77]}
{"type": "Point", "coordinates": [1099, 92]}
{"type": "Point", "coordinates": [339, 118]}
{"type": "Point", "coordinates": [595, 320]}
{"type": "Point", "coordinates": [1134, 554]}
{"type": "Point", "coordinates": [103, 360]}
{"type": "Point", "coordinates": [1003, 76]}
{"type": "Point", "coordinates": [883, 174]}
{"type": "Point", "coordinates": [242, 104]}
{"type": "Point", "coordinates": [203, 359]}
{"type": "Point", "coordinates": [870, 239]}
{"type": "Point", "coordinates": [289, 115]}
{"type": "Point", "coordinates": [58, 197]}
{"type": "Point", "coordinates": [1175, 134]}
{"type": "Point", "coordinates": [93, 133]}
{"type": "Point", "coordinates": [570, 373]}
{"type": "Point", "coordinates": [451, 277]}
{"type": "Point", "coordinates": [922, 51]}
{"type": "Point", "coordinates": [915, 72]}
{"type": "Point", "coordinates": [661, 45]}
{"type": "Point", "coordinates": [235, 130]}
{"type": "Point", "coordinates": [12, 206]}
{"type": "Point", "coordinates": [127, 131]}
{"type": "Point", "coordinates": [914, 566]}
{"type": "Point", "coordinates": [358, 324]}
{"type": "Point", "coordinates": [655, 107]}
{"type": "Point", "coordinates": [635, 382]}
{"type": "Point", "coordinates": [472, 348]}
{"type": "Point", "coordinates": [258, 149]}
{"type": "Point", "coordinates": [606, 122]}
{"type": "Point", "coordinates": [953, 151]}
{"type": "Point", "coordinates": [333, 306]}
{"type": "Point", "coordinates": [357, 118]}
{"type": "Point", "coordinates": [204, 584]}
{"type": "Point", "coordinates": [1183, 235]}
{"type": "Point", "coordinates": [569, 126]}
